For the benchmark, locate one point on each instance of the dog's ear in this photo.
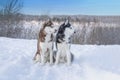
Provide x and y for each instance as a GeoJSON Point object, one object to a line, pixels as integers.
{"type": "Point", "coordinates": [66, 22]}
{"type": "Point", "coordinates": [49, 22]}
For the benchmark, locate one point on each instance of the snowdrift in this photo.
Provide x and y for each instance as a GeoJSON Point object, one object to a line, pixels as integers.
{"type": "Point", "coordinates": [91, 62]}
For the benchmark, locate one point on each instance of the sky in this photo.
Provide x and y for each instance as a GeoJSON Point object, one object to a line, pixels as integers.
{"type": "Point", "coordinates": [71, 7]}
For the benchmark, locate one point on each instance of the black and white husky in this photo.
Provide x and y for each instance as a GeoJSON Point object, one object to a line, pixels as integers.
{"type": "Point", "coordinates": [62, 43]}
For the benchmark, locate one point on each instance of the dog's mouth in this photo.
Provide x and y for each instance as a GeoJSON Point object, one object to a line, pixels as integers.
{"type": "Point", "coordinates": [51, 26]}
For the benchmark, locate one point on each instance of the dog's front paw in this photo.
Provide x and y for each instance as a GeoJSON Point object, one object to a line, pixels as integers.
{"type": "Point", "coordinates": [68, 64]}
{"type": "Point", "coordinates": [42, 63]}
{"type": "Point", "coordinates": [36, 58]}
{"type": "Point", "coordinates": [51, 63]}
{"type": "Point", "coordinates": [56, 63]}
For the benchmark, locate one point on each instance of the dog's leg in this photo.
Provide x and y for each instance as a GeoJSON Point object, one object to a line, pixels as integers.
{"type": "Point", "coordinates": [68, 55]}
{"type": "Point", "coordinates": [43, 57]}
{"type": "Point", "coordinates": [51, 56]}
{"type": "Point", "coordinates": [57, 57]}
{"type": "Point", "coordinates": [68, 58]}
{"type": "Point", "coordinates": [37, 57]}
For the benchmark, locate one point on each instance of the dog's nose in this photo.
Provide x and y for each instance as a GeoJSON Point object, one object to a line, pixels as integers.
{"type": "Point", "coordinates": [55, 31]}
{"type": "Point", "coordinates": [74, 32]}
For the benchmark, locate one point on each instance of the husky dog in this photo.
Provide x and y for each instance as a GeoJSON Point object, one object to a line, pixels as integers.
{"type": "Point", "coordinates": [62, 43]}
{"type": "Point", "coordinates": [44, 45]}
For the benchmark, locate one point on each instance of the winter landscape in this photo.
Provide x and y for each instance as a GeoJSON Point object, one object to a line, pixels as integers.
{"type": "Point", "coordinates": [95, 45]}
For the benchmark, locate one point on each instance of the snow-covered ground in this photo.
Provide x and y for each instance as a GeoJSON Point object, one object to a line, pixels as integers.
{"type": "Point", "coordinates": [91, 62]}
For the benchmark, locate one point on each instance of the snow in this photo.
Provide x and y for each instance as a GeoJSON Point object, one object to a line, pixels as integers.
{"type": "Point", "coordinates": [91, 62]}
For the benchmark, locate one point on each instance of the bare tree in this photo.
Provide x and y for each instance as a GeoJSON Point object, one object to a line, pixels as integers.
{"type": "Point", "coordinates": [12, 10]}
{"type": "Point", "coordinates": [10, 15]}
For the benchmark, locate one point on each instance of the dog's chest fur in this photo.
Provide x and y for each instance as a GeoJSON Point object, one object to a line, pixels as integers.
{"type": "Point", "coordinates": [48, 34]}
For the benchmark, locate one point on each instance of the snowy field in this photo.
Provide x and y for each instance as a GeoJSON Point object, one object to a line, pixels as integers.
{"type": "Point", "coordinates": [91, 62]}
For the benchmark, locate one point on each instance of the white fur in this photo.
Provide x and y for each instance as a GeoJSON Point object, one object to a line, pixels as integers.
{"type": "Point", "coordinates": [68, 33]}
{"type": "Point", "coordinates": [64, 52]}
{"type": "Point", "coordinates": [45, 55]}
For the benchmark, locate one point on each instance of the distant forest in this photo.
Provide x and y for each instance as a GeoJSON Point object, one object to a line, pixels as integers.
{"type": "Point", "coordinates": [73, 18]}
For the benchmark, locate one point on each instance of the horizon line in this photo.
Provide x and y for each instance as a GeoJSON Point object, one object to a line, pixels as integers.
{"type": "Point", "coordinates": [67, 14]}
